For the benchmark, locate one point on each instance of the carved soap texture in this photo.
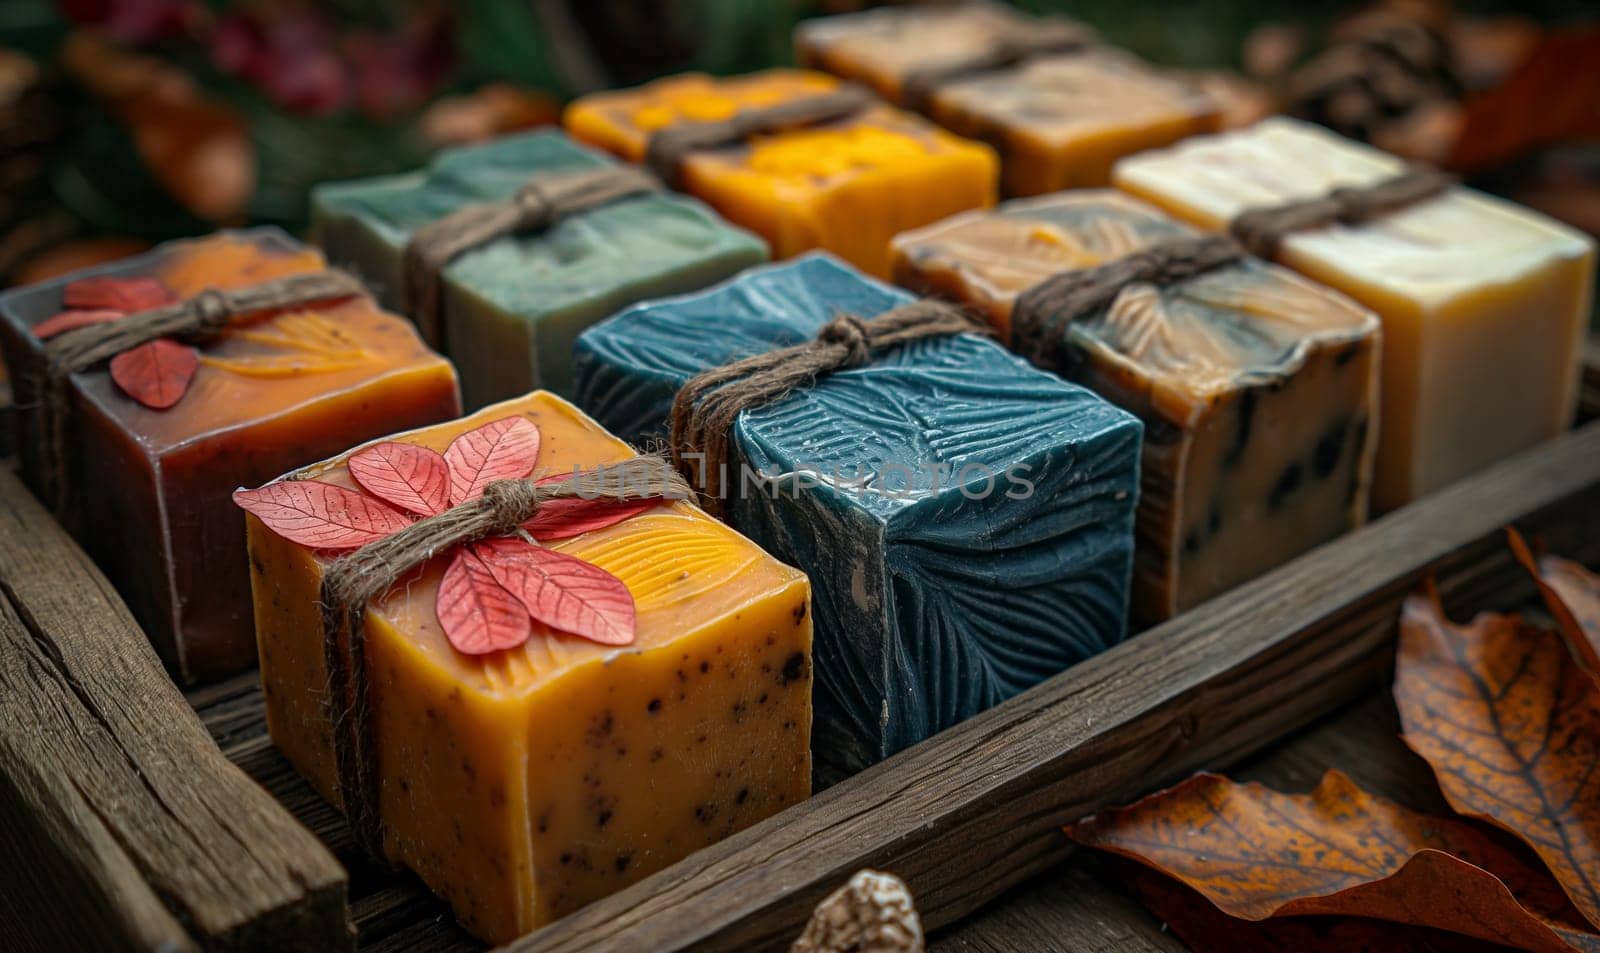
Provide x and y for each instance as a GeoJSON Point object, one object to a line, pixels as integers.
{"type": "Point", "coordinates": [1483, 303]}
{"type": "Point", "coordinates": [1257, 387]}
{"type": "Point", "coordinates": [513, 307]}
{"type": "Point", "coordinates": [936, 593]}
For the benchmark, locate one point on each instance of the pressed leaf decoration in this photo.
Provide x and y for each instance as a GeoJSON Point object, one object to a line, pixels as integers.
{"type": "Point", "coordinates": [479, 615]}
{"type": "Point", "coordinates": [562, 591]}
{"type": "Point", "coordinates": [411, 477]}
{"type": "Point", "coordinates": [502, 450]}
{"type": "Point", "coordinates": [494, 590]}
{"type": "Point", "coordinates": [126, 295]}
{"type": "Point", "coordinates": [322, 515]}
{"type": "Point", "coordinates": [71, 320]}
{"type": "Point", "coordinates": [156, 374]}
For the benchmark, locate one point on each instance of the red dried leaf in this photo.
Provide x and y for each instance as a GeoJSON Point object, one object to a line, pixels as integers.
{"type": "Point", "coordinates": [413, 478]}
{"type": "Point", "coordinates": [1257, 853]}
{"type": "Point", "coordinates": [1205, 929]}
{"type": "Point", "coordinates": [561, 519]}
{"type": "Point", "coordinates": [156, 374]}
{"type": "Point", "coordinates": [478, 615]}
{"type": "Point", "coordinates": [127, 295]}
{"type": "Point", "coordinates": [321, 515]}
{"type": "Point", "coordinates": [504, 449]}
{"type": "Point", "coordinates": [1511, 726]}
{"type": "Point", "coordinates": [71, 320]}
{"type": "Point", "coordinates": [562, 591]}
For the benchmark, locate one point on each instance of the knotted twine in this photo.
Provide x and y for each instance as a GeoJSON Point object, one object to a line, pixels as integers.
{"type": "Point", "coordinates": [353, 580]}
{"type": "Point", "coordinates": [1041, 313]}
{"type": "Point", "coordinates": [706, 407]}
{"type": "Point", "coordinates": [544, 200]}
{"type": "Point", "coordinates": [670, 145]}
{"type": "Point", "coordinates": [1262, 230]}
{"type": "Point", "coordinates": [203, 315]}
{"type": "Point", "coordinates": [1044, 38]}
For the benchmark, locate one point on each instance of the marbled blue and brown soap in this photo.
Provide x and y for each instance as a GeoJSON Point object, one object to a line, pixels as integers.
{"type": "Point", "coordinates": [966, 519]}
{"type": "Point", "coordinates": [1258, 388]}
{"type": "Point", "coordinates": [513, 307]}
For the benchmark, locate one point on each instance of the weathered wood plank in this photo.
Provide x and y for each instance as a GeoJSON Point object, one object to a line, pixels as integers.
{"type": "Point", "coordinates": [69, 852]}
{"type": "Point", "coordinates": [968, 814]}
{"type": "Point", "coordinates": [1067, 908]}
{"type": "Point", "coordinates": [1077, 906]}
{"type": "Point", "coordinates": [111, 782]}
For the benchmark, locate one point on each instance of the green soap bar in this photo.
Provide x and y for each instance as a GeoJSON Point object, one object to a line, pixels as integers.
{"type": "Point", "coordinates": [514, 307]}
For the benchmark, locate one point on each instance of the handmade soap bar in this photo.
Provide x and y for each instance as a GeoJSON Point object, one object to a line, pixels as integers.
{"type": "Point", "coordinates": [1257, 388]}
{"type": "Point", "coordinates": [965, 518]}
{"type": "Point", "coordinates": [1060, 116]}
{"type": "Point", "coordinates": [512, 307]}
{"type": "Point", "coordinates": [846, 186]}
{"type": "Point", "coordinates": [526, 782]}
{"type": "Point", "coordinates": [1483, 303]}
{"type": "Point", "coordinates": [271, 392]}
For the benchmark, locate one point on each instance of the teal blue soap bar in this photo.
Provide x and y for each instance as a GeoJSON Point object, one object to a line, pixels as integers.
{"type": "Point", "coordinates": [513, 307]}
{"type": "Point", "coordinates": [966, 519]}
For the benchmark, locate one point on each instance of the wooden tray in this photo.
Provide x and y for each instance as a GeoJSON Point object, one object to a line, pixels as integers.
{"type": "Point", "coordinates": [127, 826]}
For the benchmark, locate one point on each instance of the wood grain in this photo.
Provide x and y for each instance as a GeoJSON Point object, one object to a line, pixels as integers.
{"type": "Point", "coordinates": [125, 827]}
{"type": "Point", "coordinates": [976, 810]}
{"type": "Point", "coordinates": [1079, 905]}
{"type": "Point", "coordinates": [1068, 908]}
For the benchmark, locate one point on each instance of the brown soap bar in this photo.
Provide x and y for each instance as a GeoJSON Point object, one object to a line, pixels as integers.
{"type": "Point", "coordinates": [1257, 387]}
{"type": "Point", "coordinates": [273, 391]}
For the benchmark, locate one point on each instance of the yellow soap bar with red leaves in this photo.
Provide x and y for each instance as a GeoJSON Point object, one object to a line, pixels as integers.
{"type": "Point", "coordinates": [524, 783]}
{"type": "Point", "coordinates": [845, 186]}
{"type": "Point", "coordinates": [1060, 117]}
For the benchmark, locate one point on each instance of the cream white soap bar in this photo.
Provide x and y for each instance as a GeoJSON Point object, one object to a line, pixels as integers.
{"type": "Point", "coordinates": [1483, 302]}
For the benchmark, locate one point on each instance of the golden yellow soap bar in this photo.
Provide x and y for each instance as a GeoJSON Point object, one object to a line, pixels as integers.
{"type": "Point", "coordinates": [1483, 303]}
{"type": "Point", "coordinates": [1257, 387]}
{"type": "Point", "coordinates": [1060, 109]}
{"type": "Point", "coordinates": [526, 782]}
{"type": "Point", "coordinates": [845, 186]}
